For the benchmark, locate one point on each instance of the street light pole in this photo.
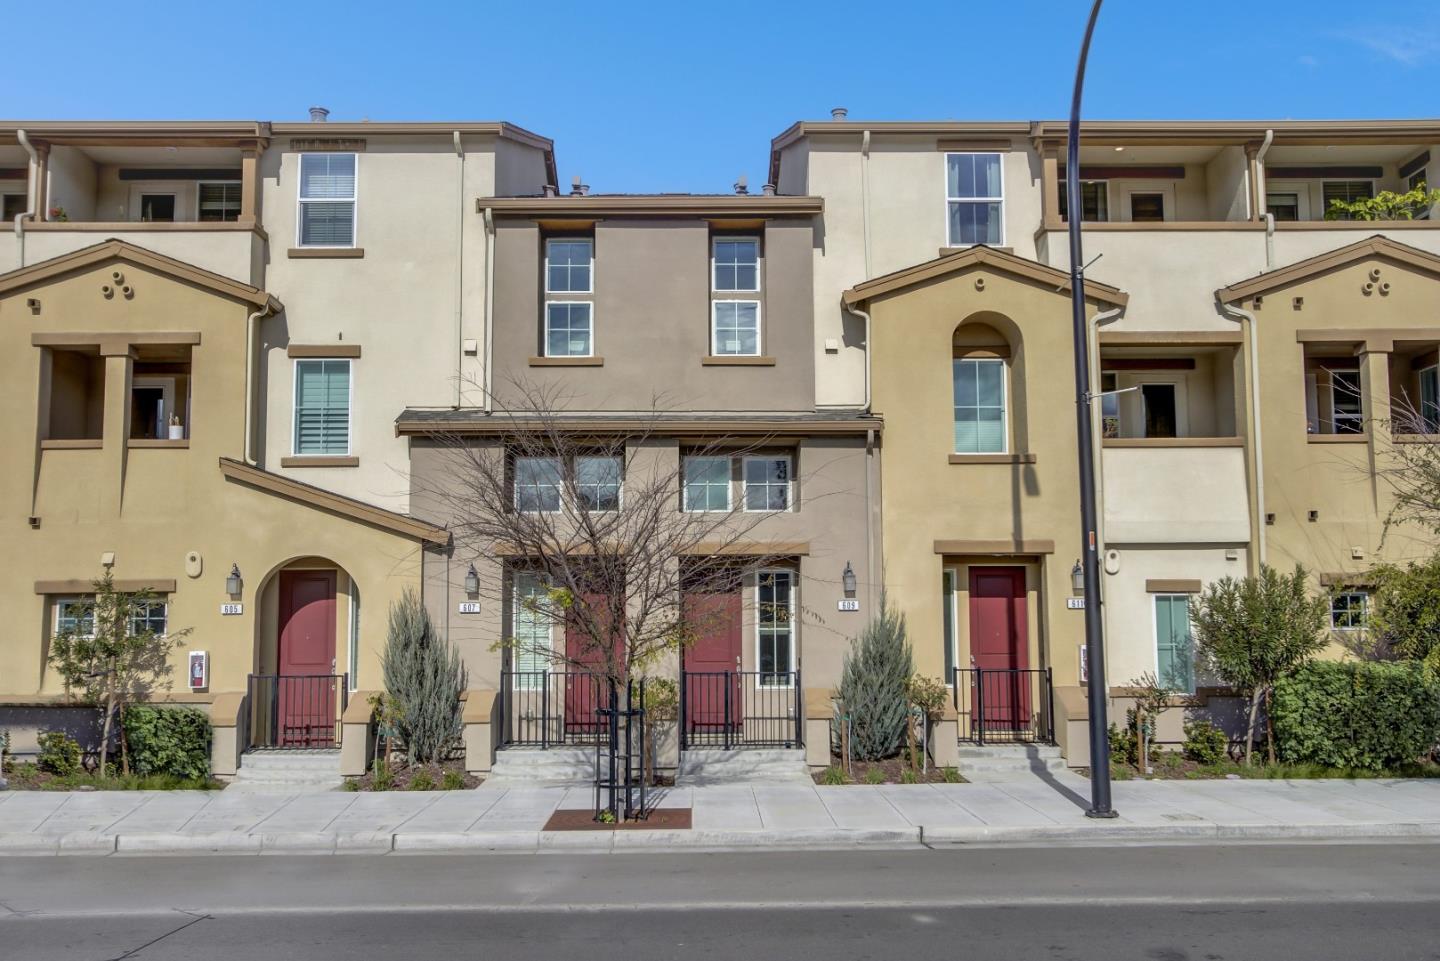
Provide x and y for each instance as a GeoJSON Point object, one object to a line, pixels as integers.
{"type": "Point", "coordinates": [1090, 555]}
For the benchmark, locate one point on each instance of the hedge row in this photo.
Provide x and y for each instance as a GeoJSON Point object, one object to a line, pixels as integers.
{"type": "Point", "coordinates": [1359, 715]}
{"type": "Point", "coordinates": [168, 740]}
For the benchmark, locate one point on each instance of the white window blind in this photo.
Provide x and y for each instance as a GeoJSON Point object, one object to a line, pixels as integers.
{"type": "Point", "coordinates": [736, 330]}
{"type": "Point", "coordinates": [322, 407]}
{"type": "Point", "coordinates": [975, 197]}
{"type": "Point", "coordinates": [327, 200]}
{"type": "Point", "coordinates": [220, 201]}
{"type": "Point", "coordinates": [531, 626]}
{"type": "Point", "coordinates": [979, 406]}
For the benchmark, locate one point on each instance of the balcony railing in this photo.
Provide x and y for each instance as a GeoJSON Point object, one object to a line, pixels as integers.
{"type": "Point", "coordinates": [736, 709]}
{"type": "Point", "coordinates": [1005, 705]}
{"type": "Point", "coordinates": [296, 711]}
{"type": "Point", "coordinates": [552, 708]}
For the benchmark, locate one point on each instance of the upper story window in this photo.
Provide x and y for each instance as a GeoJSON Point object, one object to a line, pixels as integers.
{"type": "Point", "coordinates": [1094, 201]}
{"type": "Point", "coordinates": [1430, 399]}
{"type": "Point", "coordinates": [597, 483]}
{"type": "Point", "coordinates": [736, 263]}
{"type": "Point", "coordinates": [1147, 206]}
{"type": "Point", "coordinates": [1334, 402]}
{"type": "Point", "coordinates": [569, 328]}
{"type": "Point", "coordinates": [13, 204]}
{"type": "Point", "coordinates": [767, 484]}
{"type": "Point", "coordinates": [540, 483]}
{"type": "Point", "coordinates": [1346, 191]}
{"type": "Point", "coordinates": [707, 483]}
{"type": "Point", "coordinates": [1349, 610]}
{"type": "Point", "coordinates": [219, 201]}
{"type": "Point", "coordinates": [979, 389]}
{"type": "Point", "coordinates": [569, 265]}
{"type": "Point", "coordinates": [537, 483]}
{"type": "Point", "coordinates": [975, 198]}
{"type": "Point", "coordinates": [327, 200]}
{"type": "Point", "coordinates": [322, 407]}
{"type": "Point", "coordinates": [735, 328]}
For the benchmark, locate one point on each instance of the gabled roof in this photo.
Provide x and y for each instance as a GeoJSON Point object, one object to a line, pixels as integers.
{"type": "Point", "coordinates": [1374, 246]}
{"type": "Point", "coordinates": [113, 249]}
{"type": "Point", "coordinates": [973, 257]}
{"type": "Point", "coordinates": [294, 490]}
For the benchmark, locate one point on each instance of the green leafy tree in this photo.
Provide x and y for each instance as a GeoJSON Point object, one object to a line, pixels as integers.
{"type": "Point", "coordinates": [1253, 631]}
{"type": "Point", "coordinates": [875, 686]}
{"type": "Point", "coordinates": [424, 678]}
{"type": "Point", "coordinates": [1405, 611]}
{"type": "Point", "coordinates": [1386, 205]}
{"type": "Point", "coordinates": [110, 656]}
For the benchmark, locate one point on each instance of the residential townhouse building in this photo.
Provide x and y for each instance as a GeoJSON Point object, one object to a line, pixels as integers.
{"type": "Point", "coordinates": [1231, 437]}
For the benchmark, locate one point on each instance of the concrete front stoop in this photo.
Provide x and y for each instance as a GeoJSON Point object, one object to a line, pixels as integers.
{"type": "Point", "coordinates": [1004, 762]}
{"type": "Point", "coordinates": [537, 766]}
{"type": "Point", "coordinates": [288, 771]}
{"type": "Point", "coordinates": [742, 765]}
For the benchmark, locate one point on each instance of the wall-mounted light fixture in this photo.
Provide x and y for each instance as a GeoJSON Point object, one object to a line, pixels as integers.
{"type": "Point", "coordinates": [472, 581]}
{"type": "Point", "coordinates": [847, 580]}
{"type": "Point", "coordinates": [1077, 578]}
{"type": "Point", "coordinates": [234, 584]}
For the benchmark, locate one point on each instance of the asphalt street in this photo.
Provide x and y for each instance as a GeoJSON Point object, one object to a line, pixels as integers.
{"type": "Point", "coordinates": [1171, 903]}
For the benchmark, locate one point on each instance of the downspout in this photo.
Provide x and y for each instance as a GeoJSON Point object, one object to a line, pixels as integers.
{"type": "Point", "coordinates": [1246, 319]}
{"type": "Point", "coordinates": [489, 306]}
{"type": "Point", "coordinates": [865, 316]}
{"type": "Point", "coordinates": [1260, 198]}
{"type": "Point", "coordinates": [459, 270]}
{"type": "Point", "coordinates": [865, 202]}
{"type": "Point", "coordinates": [876, 576]}
{"type": "Point", "coordinates": [30, 190]}
{"type": "Point", "coordinates": [1097, 414]}
{"type": "Point", "coordinates": [249, 378]}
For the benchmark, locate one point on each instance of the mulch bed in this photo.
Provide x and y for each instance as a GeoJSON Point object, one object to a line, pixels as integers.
{"type": "Point", "coordinates": [402, 778]}
{"type": "Point", "coordinates": [890, 770]}
{"type": "Point", "coordinates": [24, 776]}
{"type": "Point", "coordinates": [583, 819]}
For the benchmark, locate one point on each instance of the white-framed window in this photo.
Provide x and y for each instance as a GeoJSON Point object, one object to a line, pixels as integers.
{"type": "Point", "coordinates": [735, 328]}
{"type": "Point", "coordinates": [158, 206]}
{"type": "Point", "coordinates": [735, 263]}
{"type": "Point", "coordinates": [767, 484]}
{"type": "Point", "coordinates": [77, 614]}
{"type": "Point", "coordinates": [597, 483]}
{"type": "Point", "coordinates": [531, 631]}
{"type": "Point", "coordinates": [1348, 191]}
{"type": "Point", "coordinates": [569, 265]}
{"type": "Point", "coordinates": [707, 484]}
{"type": "Point", "coordinates": [569, 328]}
{"type": "Point", "coordinates": [950, 600]}
{"type": "Point", "coordinates": [974, 199]}
{"type": "Point", "coordinates": [1174, 648]}
{"type": "Point", "coordinates": [1349, 610]}
{"type": "Point", "coordinates": [217, 201]}
{"type": "Point", "coordinates": [322, 407]}
{"type": "Point", "coordinates": [327, 200]}
{"type": "Point", "coordinates": [538, 481]}
{"type": "Point", "coordinates": [1094, 201]}
{"type": "Point", "coordinates": [775, 628]}
{"type": "Point", "coordinates": [1283, 205]}
{"type": "Point", "coordinates": [979, 392]}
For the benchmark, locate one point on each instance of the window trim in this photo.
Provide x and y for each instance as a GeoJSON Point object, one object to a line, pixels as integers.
{"type": "Point", "coordinates": [715, 330]}
{"type": "Point", "coordinates": [1155, 636]}
{"type": "Point", "coordinates": [789, 483]}
{"type": "Point", "coordinates": [545, 334]}
{"type": "Point", "coordinates": [574, 482]}
{"type": "Point", "coordinates": [56, 600]}
{"type": "Point", "coordinates": [950, 603]}
{"type": "Point", "coordinates": [516, 573]}
{"type": "Point", "coordinates": [567, 479]}
{"type": "Point", "coordinates": [729, 483]}
{"type": "Point", "coordinates": [295, 405]}
{"type": "Point", "coordinates": [945, 232]}
{"type": "Point", "coordinates": [1004, 406]}
{"type": "Point", "coordinates": [793, 659]}
{"type": "Point", "coordinates": [1364, 610]}
{"type": "Point", "coordinates": [759, 261]}
{"type": "Point", "coordinates": [569, 240]}
{"type": "Point", "coordinates": [515, 487]}
{"type": "Point", "coordinates": [1166, 192]}
{"type": "Point", "coordinates": [301, 201]}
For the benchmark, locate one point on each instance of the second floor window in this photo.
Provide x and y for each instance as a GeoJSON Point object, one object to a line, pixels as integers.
{"type": "Point", "coordinates": [569, 329]}
{"type": "Point", "coordinates": [1347, 191]}
{"type": "Point", "coordinates": [1430, 399]}
{"type": "Point", "coordinates": [322, 407]}
{"type": "Point", "coordinates": [975, 197]}
{"type": "Point", "coordinates": [707, 483]}
{"type": "Point", "coordinates": [979, 385]}
{"type": "Point", "coordinates": [569, 266]}
{"type": "Point", "coordinates": [219, 201]}
{"type": "Point", "coordinates": [327, 200]}
{"type": "Point", "coordinates": [1347, 411]}
{"type": "Point", "coordinates": [1094, 201]}
{"type": "Point", "coordinates": [597, 483]}
{"type": "Point", "coordinates": [540, 483]}
{"type": "Point", "coordinates": [767, 484]}
{"type": "Point", "coordinates": [737, 263]}
{"type": "Point", "coordinates": [735, 328]}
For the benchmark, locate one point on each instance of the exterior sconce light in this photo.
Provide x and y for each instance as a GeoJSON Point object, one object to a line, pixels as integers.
{"type": "Point", "coordinates": [472, 581]}
{"type": "Point", "coordinates": [234, 584]}
{"type": "Point", "coordinates": [1077, 578]}
{"type": "Point", "coordinates": [847, 580]}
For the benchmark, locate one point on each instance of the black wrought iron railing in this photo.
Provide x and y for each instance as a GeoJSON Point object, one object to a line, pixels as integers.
{"type": "Point", "coordinates": [1005, 705]}
{"type": "Point", "coordinates": [552, 708]}
{"type": "Point", "coordinates": [733, 709]}
{"type": "Point", "coordinates": [295, 710]}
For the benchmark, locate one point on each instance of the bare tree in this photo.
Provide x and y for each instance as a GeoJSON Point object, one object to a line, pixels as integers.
{"type": "Point", "coordinates": [1409, 464]}
{"type": "Point", "coordinates": [593, 506]}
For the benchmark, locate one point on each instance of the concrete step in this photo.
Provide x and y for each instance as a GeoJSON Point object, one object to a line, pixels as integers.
{"type": "Point", "coordinates": [992, 751]}
{"type": "Point", "coordinates": [298, 771]}
{"type": "Point", "coordinates": [743, 764]}
{"type": "Point", "coordinates": [558, 765]}
{"type": "Point", "coordinates": [1000, 762]}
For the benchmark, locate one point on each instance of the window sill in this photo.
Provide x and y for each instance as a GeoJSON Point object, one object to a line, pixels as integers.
{"type": "Point", "coordinates": [1173, 442]}
{"type": "Point", "coordinates": [1337, 438]}
{"type": "Point", "coordinates": [141, 443]}
{"type": "Point", "coordinates": [713, 361]}
{"type": "Point", "coordinates": [325, 253]}
{"type": "Point", "coordinates": [992, 458]}
{"type": "Point", "coordinates": [85, 443]}
{"type": "Point", "coordinates": [319, 461]}
{"type": "Point", "coordinates": [567, 361]}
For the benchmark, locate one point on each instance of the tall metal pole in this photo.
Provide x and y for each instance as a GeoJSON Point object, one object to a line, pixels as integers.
{"type": "Point", "coordinates": [1094, 627]}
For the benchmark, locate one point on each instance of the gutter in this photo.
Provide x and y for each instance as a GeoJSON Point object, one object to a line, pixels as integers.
{"type": "Point", "coordinates": [459, 269]}
{"type": "Point", "coordinates": [1260, 198]}
{"type": "Point", "coordinates": [1257, 458]}
{"type": "Point", "coordinates": [30, 190]}
{"type": "Point", "coordinates": [488, 381]}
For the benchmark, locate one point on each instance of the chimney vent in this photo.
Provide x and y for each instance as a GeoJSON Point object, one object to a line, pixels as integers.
{"type": "Point", "coordinates": [551, 190]}
{"type": "Point", "coordinates": [577, 189]}
{"type": "Point", "coordinates": [741, 187]}
{"type": "Point", "coordinates": [839, 113]}
{"type": "Point", "coordinates": [318, 114]}
{"type": "Point", "coordinates": [768, 190]}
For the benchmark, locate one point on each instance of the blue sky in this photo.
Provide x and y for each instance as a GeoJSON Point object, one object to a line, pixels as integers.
{"type": "Point", "coordinates": [686, 96]}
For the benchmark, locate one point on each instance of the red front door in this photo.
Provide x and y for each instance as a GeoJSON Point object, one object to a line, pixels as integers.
{"type": "Point", "coordinates": [304, 692]}
{"type": "Point", "coordinates": [586, 687]}
{"type": "Point", "coordinates": [712, 661]}
{"type": "Point", "coordinates": [998, 642]}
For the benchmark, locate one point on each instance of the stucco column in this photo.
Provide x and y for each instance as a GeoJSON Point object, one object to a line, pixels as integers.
{"type": "Point", "coordinates": [119, 369]}
{"type": "Point", "coordinates": [249, 185]}
{"type": "Point", "coordinates": [1252, 166]}
{"type": "Point", "coordinates": [1375, 395]}
{"type": "Point", "coordinates": [1050, 186]}
{"type": "Point", "coordinates": [42, 184]}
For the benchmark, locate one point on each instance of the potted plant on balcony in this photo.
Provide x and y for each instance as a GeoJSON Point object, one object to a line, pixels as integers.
{"type": "Point", "coordinates": [177, 430]}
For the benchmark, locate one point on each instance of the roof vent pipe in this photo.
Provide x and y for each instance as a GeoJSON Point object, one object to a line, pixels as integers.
{"type": "Point", "coordinates": [318, 114]}
{"type": "Point", "coordinates": [577, 189]}
{"type": "Point", "coordinates": [839, 113]}
{"type": "Point", "coordinates": [768, 190]}
{"type": "Point", "coordinates": [741, 186]}
{"type": "Point", "coordinates": [550, 190]}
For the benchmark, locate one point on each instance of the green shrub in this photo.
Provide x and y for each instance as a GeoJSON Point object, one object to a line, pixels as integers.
{"type": "Point", "coordinates": [1360, 715]}
{"type": "Point", "coordinates": [951, 774]}
{"type": "Point", "coordinates": [875, 686]}
{"type": "Point", "coordinates": [59, 753]}
{"type": "Point", "coordinates": [168, 740]}
{"type": "Point", "coordinates": [908, 776]}
{"type": "Point", "coordinates": [422, 781]}
{"type": "Point", "coordinates": [1205, 743]}
{"type": "Point", "coordinates": [452, 780]}
{"type": "Point", "coordinates": [1123, 748]}
{"type": "Point", "coordinates": [874, 776]}
{"type": "Point", "coordinates": [833, 775]}
{"type": "Point", "coordinates": [384, 776]}
{"type": "Point", "coordinates": [425, 677]}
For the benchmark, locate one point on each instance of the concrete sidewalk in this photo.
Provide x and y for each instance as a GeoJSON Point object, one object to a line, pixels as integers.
{"type": "Point", "coordinates": [496, 818]}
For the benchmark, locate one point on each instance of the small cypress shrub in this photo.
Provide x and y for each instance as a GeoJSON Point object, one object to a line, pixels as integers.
{"type": "Point", "coordinates": [59, 753]}
{"type": "Point", "coordinates": [425, 677]}
{"type": "Point", "coordinates": [1205, 743]}
{"type": "Point", "coordinates": [875, 686]}
{"type": "Point", "coordinates": [168, 740]}
{"type": "Point", "coordinates": [1363, 715]}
